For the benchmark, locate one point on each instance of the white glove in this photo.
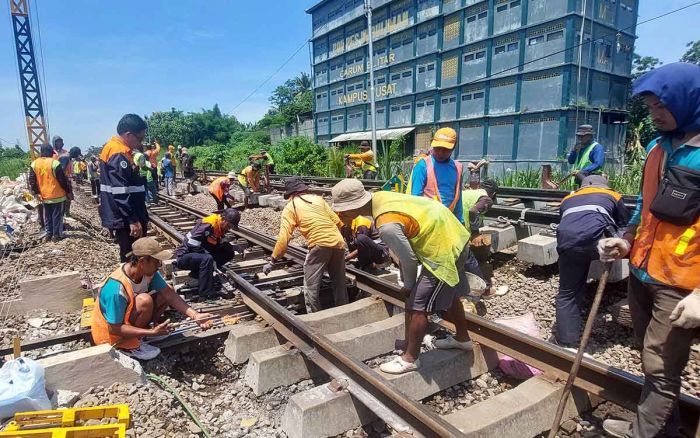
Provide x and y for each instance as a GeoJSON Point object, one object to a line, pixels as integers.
{"type": "Point", "coordinates": [613, 248]}
{"type": "Point", "coordinates": [687, 311]}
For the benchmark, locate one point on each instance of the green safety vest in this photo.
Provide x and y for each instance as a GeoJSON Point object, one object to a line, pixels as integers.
{"type": "Point", "coordinates": [144, 166]}
{"type": "Point", "coordinates": [441, 237]}
{"type": "Point", "coordinates": [584, 159]}
{"type": "Point", "coordinates": [469, 200]}
{"type": "Point", "coordinates": [270, 161]}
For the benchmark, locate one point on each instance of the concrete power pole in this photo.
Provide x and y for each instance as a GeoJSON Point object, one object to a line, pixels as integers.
{"type": "Point", "coordinates": [373, 123]}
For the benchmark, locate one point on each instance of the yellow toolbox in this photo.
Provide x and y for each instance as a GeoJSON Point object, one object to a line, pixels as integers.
{"type": "Point", "coordinates": [69, 423]}
{"type": "Point", "coordinates": [86, 313]}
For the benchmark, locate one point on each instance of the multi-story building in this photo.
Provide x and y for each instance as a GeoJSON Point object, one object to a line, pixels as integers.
{"type": "Point", "coordinates": [504, 73]}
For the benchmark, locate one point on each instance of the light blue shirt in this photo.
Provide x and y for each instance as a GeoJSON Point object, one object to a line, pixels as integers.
{"type": "Point", "coordinates": [114, 300]}
{"type": "Point", "coordinates": [446, 175]}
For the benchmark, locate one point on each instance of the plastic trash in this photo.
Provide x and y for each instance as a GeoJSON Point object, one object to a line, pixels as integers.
{"type": "Point", "coordinates": [22, 387]}
{"type": "Point", "coordinates": [512, 367]}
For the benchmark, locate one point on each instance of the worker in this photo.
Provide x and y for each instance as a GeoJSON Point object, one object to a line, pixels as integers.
{"type": "Point", "coordinates": [203, 249]}
{"type": "Point", "coordinates": [363, 161]}
{"type": "Point", "coordinates": [265, 160]}
{"type": "Point", "coordinates": [438, 176]}
{"type": "Point", "coordinates": [475, 203]}
{"type": "Point", "coordinates": [77, 172]}
{"type": "Point", "coordinates": [663, 248]}
{"type": "Point", "coordinates": [168, 173]}
{"type": "Point", "coordinates": [144, 168]}
{"type": "Point", "coordinates": [320, 226]}
{"type": "Point", "coordinates": [188, 172]}
{"type": "Point", "coordinates": [587, 156]}
{"type": "Point", "coordinates": [152, 154]}
{"type": "Point", "coordinates": [93, 173]}
{"type": "Point", "coordinates": [132, 299]}
{"type": "Point", "coordinates": [49, 182]}
{"type": "Point", "coordinates": [417, 230]}
{"type": "Point", "coordinates": [365, 244]}
{"type": "Point", "coordinates": [219, 190]}
{"type": "Point", "coordinates": [173, 159]}
{"type": "Point", "coordinates": [63, 157]}
{"type": "Point", "coordinates": [122, 193]}
{"type": "Point", "coordinates": [249, 180]}
{"type": "Point", "coordinates": [586, 216]}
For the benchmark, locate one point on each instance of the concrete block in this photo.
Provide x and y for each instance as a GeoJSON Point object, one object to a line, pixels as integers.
{"type": "Point", "coordinates": [100, 365]}
{"type": "Point", "coordinates": [526, 410]}
{"type": "Point", "coordinates": [244, 339]}
{"type": "Point", "coordinates": [501, 238]}
{"type": "Point", "coordinates": [168, 268]}
{"type": "Point", "coordinates": [55, 293]}
{"type": "Point", "coordinates": [338, 319]}
{"type": "Point", "coordinates": [238, 195]}
{"type": "Point", "coordinates": [538, 249]}
{"type": "Point", "coordinates": [321, 412]}
{"type": "Point", "coordinates": [619, 271]}
{"type": "Point", "coordinates": [390, 276]}
{"type": "Point", "coordinates": [280, 203]}
{"type": "Point", "coordinates": [370, 340]}
{"type": "Point", "coordinates": [268, 200]}
{"type": "Point", "coordinates": [440, 369]}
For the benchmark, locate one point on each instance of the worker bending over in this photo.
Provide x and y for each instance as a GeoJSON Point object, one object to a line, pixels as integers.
{"type": "Point", "coordinates": [320, 226]}
{"type": "Point", "coordinates": [438, 176]}
{"type": "Point", "coordinates": [663, 242]}
{"type": "Point", "coordinates": [587, 215]}
{"type": "Point", "coordinates": [204, 248]}
{"type": "Point", "coordinates": [50, 183]}
{"type": "Point", "coordinates": [365, 244]}
{"type": "Point", "coordinates": [588, 156]}
{"type": "Point", "coordinates": [363, 161]}
{"type": "Point", "coordinates": [131, 301]}
{"type": "Point", "coordinates": [417, 230]}
{"type": "Point", "coordinates": [265, 160]}
{"type": "Point", "coordinates": [249, 180]}
{"type": "Point", "coordinates": [219, 190]}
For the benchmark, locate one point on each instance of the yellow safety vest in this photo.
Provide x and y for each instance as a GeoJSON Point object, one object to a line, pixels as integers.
{"type": "Point", "coordinates": [441, 237]}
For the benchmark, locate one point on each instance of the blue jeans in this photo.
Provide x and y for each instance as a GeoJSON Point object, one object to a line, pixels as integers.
{"type": "Point", "coordinates": [53, 219]}
{"type": "Point", "coordinates": [151, 192]}
{"type": "Point", "coordinates": [573, 273]}
{"type": "Point", "coordinates": [169, 185]}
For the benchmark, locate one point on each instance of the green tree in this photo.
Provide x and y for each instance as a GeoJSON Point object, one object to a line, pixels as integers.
{"type": "Point", "coordinates": [171, 127]}
{"type": "Point", "coordinates": [640, 130]}
{"type": "Point", "coordinates": [692, 55]}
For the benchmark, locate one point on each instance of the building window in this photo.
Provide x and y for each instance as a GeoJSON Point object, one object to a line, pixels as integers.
{"type": "Point", "coordinates": [466, 97]}
{"type": "Point", "coordinates": [430, 103]}
{"type": "Point", "coordinates": [407, 74]}
{"type": "Point", "coordinates": [500, 49]}
{"type": "Point", "coordinates": [420, 104]}
{"type": "Point", "coordinates": [479, 95]}
{"type": "Point", "coordinates": [396, 76]}
{"type": "Point", "coordinates": [536, 40]}
{"type": "Point", "coordinates": [555, 35]}
{"type": "Point", "coordinates": [513, 46]}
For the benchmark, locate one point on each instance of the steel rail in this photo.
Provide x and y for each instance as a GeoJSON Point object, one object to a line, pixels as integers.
{"type": "Point", "coordinates": [610, 383]}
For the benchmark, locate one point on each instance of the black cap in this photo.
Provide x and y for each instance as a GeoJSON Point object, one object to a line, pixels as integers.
{"type": "Point", "coordinates": [232, 216]}
{"type": "Point", "coordinates": [294, 185]}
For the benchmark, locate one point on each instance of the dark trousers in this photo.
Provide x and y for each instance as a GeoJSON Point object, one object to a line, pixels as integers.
{"type": "Point", "coordinates": [201, 266]}
{"type": "Point", "coordinates": [369, 251]}
{"type": "Point", "coordinates": [573, 273]}
{"type": "Point", "coordinates": [664, 356]}
{"type": "Point", "coordinates": [369, 174]}
{"type": "Point", "coordinates": [154, 174]}
{"type": "Point", "coordinates": [53, 219]}
{"type": "Point", "coordinates": [125, 240]}
{"type": "Point", "coordinates": [318, 260]}
{"type": "Point", "coordinates": [221, 204]}
{"type": "Point", "coordinates": [95, 187]}
{"type": "Point", "coordinates": [472, 266]}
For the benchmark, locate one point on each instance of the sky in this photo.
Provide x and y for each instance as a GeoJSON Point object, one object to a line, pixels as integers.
{"type": "Point", "coordinates": [104, 59]}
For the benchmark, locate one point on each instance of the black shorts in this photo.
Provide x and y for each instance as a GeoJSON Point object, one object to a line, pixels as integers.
{"type": "Point", "coordinates": [432, 295]}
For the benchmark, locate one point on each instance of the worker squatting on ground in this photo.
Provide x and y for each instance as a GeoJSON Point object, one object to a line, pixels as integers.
{"type": "Point", "coordinates": [266, 162]}
{"type": "Point", "coordinates": [48, 181]}
{"type": "Point", "coordinates": [131, 301]}
{"type": "Point", "coordinates": [204, 248]}
{"type": "Point", "coordinates": [93, 174]}
{"type": "Point", "coordinates": [364, 161]}
{"type": "Point", "coordinates": [122, 193]}
{"type": "Point", "coordinates": [587, 156]}
{"type": "Point", "coordinates": [417, 230]}
{"type": "Point", "coordinates": [589, 214]}
{"type": "Point", "coordinates": [249, 181]}
{"type": "Point", "coordinates": [320, 226]}
{"type": "Point", "coordinates": [168, 174]}
{"type": "Point", "coordinates": [144, 168]}
{"type": "Point", "coordinates": [365, 244]}
{"type": "Point", "coordinates": [219, 190]}
{"type": "Point", "coordinates": [663, 242]}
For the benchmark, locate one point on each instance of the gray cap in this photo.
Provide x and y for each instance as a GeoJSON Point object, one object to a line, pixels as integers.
{"type": "Point", "coordinates": [54, 139]}
{"type": "Point", "coordinates": [584, 130]}
{"type": "Point", "coordinates": [595, 181]}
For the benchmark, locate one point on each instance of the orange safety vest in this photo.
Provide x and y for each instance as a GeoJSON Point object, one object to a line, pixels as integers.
{"type": "Point", "coordinates": [431, 187]}
{"type": "Point", "coordinates": [49, 188]}
{"type": "Point", "coordinates": [669, 253]}
{"type": "Point", "coordinates": [219, 187]}
{"type": "Point", "coordinates": [215, 221]}
{"type": "Point", "coordinates": [100, 326]}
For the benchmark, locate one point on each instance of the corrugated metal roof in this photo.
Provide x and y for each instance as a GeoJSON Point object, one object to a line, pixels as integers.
{"type": "Point", "coordinates": [382, 134]}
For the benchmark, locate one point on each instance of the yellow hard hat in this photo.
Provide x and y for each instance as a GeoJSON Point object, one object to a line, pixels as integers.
{"type": "Point", "coordinates": [444, 138]}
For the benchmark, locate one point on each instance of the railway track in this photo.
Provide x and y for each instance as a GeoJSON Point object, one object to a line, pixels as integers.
{"type": "Point", "coordinates": [383, 395]}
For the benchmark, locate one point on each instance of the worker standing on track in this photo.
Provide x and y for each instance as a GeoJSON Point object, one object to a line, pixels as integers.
{"type": "Point", "coordinates": [588, 156]}
{"type": "Point", "coordinates": [663, 242]}
{"type": "Point", "coordinates": [152, 155]}
{"type": "Point", "coordinates": [249, 181]}
{"type": "Point", "coordinates": [203, 249]}
{"type": "Point", "coordinates": [93, 173]}
{"type": "Point", "coordinates": [77, 173]}
{"type": "Point", "coordinates": [122, 193]}
{"type": "Point", "coordinates": [131, 301]}
{"type": "Point", "coordinates": [63, 157]}
{"type": "Point", "coordinates": [320, 226]}
{"type": "Point", "coordinates": [173, 159]}
{"type": "Point", "coordinates": [438, 176]}
{"type": "Point", "coordinates": [168, 174]}
{"type": "Point", "coordinates": [365, 244]}
{"type": "Point", "coordinates": [49, 182]}
{"type": "Point", "coordinates": [363, 161]}
{"type": "Point", "coordinates": [188, 172]}
{"type": "Point", "coordinates": [219, 190]}
{"type": "Point", "coordinates": [417, 230]}
{"type": "Point", "coordinates": [144, 166]}
{"type": "Point", "coordinates": [586, 214]}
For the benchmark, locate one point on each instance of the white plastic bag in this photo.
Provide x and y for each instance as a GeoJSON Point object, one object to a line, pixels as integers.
{"type": "Point", "coordinates": [512, 367]}
{"type": "Point", "coordinates": [22, 387]}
